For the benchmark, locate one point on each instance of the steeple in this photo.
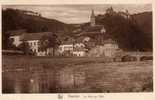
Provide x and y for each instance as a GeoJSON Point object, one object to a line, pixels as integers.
{"type": "Point", "coordinates": [92, 18]}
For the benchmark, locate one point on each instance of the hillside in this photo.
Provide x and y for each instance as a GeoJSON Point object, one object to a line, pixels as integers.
{"type": "Point", "coordinates": [144, 21]}
{"type": "Point", "coordinates": [14, 19]}
{"type": "Point", "coordinates": [17, 19]}
{"type": "Point", "coordinates": [134, 33]}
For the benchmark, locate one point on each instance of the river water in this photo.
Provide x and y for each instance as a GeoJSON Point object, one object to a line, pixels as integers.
{"type": "Point", "coordinates": [90, 78]}
{"type": "Point", "coordinates": [41, 81]}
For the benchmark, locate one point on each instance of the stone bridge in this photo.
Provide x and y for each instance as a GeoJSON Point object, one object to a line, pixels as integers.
{"type": "Point", "coordinates": [138, 55]}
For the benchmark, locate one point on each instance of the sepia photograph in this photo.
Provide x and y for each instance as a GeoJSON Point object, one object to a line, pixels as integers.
{"type": "Point", "coordinates": [80, 48]}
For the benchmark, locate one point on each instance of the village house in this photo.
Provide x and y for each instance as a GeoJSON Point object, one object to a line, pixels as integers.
{"type": "Point", "coordinates": [66, 48]}
{"type": "Point", "coordinates": [79, 49]}
{"type": "Point", "coordinates": [33, 39]}
{"type": "Point", "coordinates": [79, 52]}
{"type": "Point", "coordinates": [15, 36]}
{"type": "Point", "coordinates": [71, 47]}
{"type": "Point", "coordinates": [110, 48]}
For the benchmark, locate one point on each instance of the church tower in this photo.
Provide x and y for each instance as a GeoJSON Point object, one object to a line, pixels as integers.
{"type": "Point", "coordinates": [92, 18]}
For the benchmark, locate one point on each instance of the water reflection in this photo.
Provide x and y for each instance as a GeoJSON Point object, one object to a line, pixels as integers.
{"type": "Point", "coordinates": [43, 81]}
{"type": "Point", "coordinates": [17, 87]}
{"type": "Point", "coordinates": [34, 83]}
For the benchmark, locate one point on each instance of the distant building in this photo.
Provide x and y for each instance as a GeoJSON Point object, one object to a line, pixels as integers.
{"type": "Point", "coordinates": [31, 13]}
{"type": "Point", "coordinates": [33, 40]}
{"type": "Point", "coordinates": [15, 36]}
{"type": "Point", "coordinates": [16, 40]}
{"type": "Point", "coordinates": [65, 47]}
{"type": "Point", "coordinates": [79, 53]}
{"type": "Point", "coordinates": [94, 30]}
{"type": "Point", "coordinates": [72, 48]}
{"type": "Point", "coordinates": [125, 14]}
{"type": "Point", "coordinates": [79, 50]}
{"type": "Point", "coordinates": [92, 19]}
{"type": "Point", "coordinates": [110, 48]}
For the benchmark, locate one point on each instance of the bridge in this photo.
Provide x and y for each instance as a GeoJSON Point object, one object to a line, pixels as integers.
{"type": "Point", "coordinates": [139, 55]}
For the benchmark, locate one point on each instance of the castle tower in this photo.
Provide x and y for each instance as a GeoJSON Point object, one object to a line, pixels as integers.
{"type": "Point", "coordinates": [92, 18]}
{"type": "Point", "coordinates": [127, 14]}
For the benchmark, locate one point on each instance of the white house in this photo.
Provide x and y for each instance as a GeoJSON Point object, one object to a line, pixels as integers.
{"type": "Point", "coordinates": [15, 36]}
{"type": "Point", "coordinates": [65, 47]}
{"type": "Point", "coordinates": [16, 40]}
{"type": "Point", "coordinates": [33, 40]}
{"type": "Point", "coordinates": [79, 53]}
{"type": "Point", "coordinates": [76, 49]}
{"type": "Point", "coordinates": [110, 48]}
{"type": "Point", "coordinates": [34, 45]}
{"type": "Point", "coordinates": [79, 50]}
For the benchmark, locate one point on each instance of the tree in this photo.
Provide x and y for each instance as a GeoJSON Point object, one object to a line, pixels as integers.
{"type": "Point", "coordinates": [47, 42]}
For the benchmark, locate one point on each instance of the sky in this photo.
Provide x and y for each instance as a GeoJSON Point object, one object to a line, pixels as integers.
{"type": "Point", "coordinates": [74, 14]}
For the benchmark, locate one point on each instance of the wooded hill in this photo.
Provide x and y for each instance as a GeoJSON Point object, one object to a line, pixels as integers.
{"type": "Point", "coordinates": [133, 33]}
{"type": "Point", "coordinates": [18, 19]}
{"type": "Point", "coordinates": [14, 19]}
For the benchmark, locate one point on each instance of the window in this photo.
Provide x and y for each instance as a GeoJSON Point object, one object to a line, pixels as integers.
{"type": "Point", "coordinates": [79, 54]}
{"type": "Point", "coordinates": [29, 43]}
{"type": "Point", "coordinates": [12, 39]}
{"type": "Point", "coordinates": [38, 43]}
{"type": "Point", "coordinates": [60, 48]}
{"type": "Point", "coordinates": [34, 43]}
{"type": "Point", "coordinates": [34, 50]}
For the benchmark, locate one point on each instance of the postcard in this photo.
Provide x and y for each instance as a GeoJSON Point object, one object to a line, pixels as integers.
{"type": "Point", "coordinates": [77, 50]}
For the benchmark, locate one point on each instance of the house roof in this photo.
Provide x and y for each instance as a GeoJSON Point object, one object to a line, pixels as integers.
{"type": "Point", "coordinates": [92, 30]}
{"type": "Point", "coordinates": [79, 49]}
{"type": "Point", "coordinates": [68, 41]}
{"type": "Point", "coordinates": [80, 39]}
{"type": "Point", "coordinates": [96, 28]}
{"type": "Point", "coordinates": [109, 41]}
{"type": "Point", "coordinates": [34, 36]}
